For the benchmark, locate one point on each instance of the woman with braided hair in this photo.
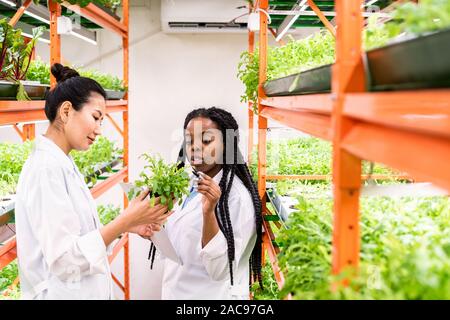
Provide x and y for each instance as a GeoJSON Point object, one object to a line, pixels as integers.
{"type": "Point", "coordinates": [217, 229]}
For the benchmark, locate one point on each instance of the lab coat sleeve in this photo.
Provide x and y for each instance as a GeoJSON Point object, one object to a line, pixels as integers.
{"type": "Point", "coordinates": [67, 252]}
{"type": "Point", "coordinates": [214, 255]}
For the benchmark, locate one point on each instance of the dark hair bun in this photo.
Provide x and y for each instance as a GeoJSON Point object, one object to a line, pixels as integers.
{"type": "Point", "coordinates": [63, 73]}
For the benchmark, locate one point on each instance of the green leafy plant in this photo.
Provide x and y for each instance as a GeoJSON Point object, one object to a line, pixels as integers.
{"type": "Point", "coordinates": [105, 80]}
{"type": "Point", "coordinates": [107, 213]}
{"type": "Point", "coordinates": [7, 276]}
{"type": "Point", "coordinates": [270, 289]}
{"type": "Point", "coordinates": [102, 152]}
{"type": "Point", "coordinates": [405, 250]}
{"type": "Point", "coordinates": [110, 4]}
{"type": "Point", "coordinates": [15, 55]}
{"type": "Point", "coordinates": [164, 180]}
{"type": "Point", "coordinates": [319, 49]}
{"type": "Point", "coordinates": [304, 156]}
{"type": "Point", "coordinates": [39, 71]}
{"type": "Point", "coordinates": [12, 159]}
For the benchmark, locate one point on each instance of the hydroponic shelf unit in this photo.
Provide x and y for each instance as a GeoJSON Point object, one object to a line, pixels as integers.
{"type": "Point", "coordinates": [406, 130]}
{"type": "Point", "coordinates": [16, 112]}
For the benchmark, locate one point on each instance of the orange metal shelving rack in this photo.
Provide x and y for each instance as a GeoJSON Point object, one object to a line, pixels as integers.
{"type": "Point", "coordinates": [406, 130]}
{"type": "Point", "coordinates": [15, 112]}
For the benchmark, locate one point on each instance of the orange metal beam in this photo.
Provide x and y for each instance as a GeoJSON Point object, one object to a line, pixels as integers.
{"type": "Point", "coordinates": [426, 111]}
{"type": "Point", "coordinates": [55, 38]}
{"type": "Point", "coordinates": [311, 123]}
{"type": "Point", "coordinates": [117, 282]}
{"type": "Point", "coordinates": [114, 123]}
{"type": "Point", "coordinates": [105, 185]}
{"type": "Point", "coordinates": [262, 121]}
{"type": "Point", "coordinates": [19, 132]}
{"type": "Point", "coordinates": [322, 17]}
{"type": "Point", "coordinates": [348, 76]}
{"type": "Point", "coordinates": [251, 120]}
{"type": "Point", "coordinates": [8, 252]}
{"type": "Point", "coordinates": [274, 34]}
{"type": "Point", "coordinates": [425, 158]}
{"type": "Point", "coordinates": [19, 13]}
{"type": "Point", "coordinates": [126, 57]}
{"type": "Point", "coordinates": [100, 17]}
{"type": "Point", "coordinates": [326, 177]}
{"type": "Point", "coordinates": [272, 252]}
{"type": "Point", "coordinates": [118, 247]}
{"type": "Point", "coordinates": [13, 112]}
{"type": "Point", "coordinates": [319, 103]}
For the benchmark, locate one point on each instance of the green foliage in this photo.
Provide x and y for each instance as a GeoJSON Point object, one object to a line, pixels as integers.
{"type": "Point", "coordinates": [12, 159]}
{"type": "Point", "coordinates": [405, 250]}
{"type": "Point", "coordinates": [270, 289]}
{"type": "Point", "coordinates": [39, 71]}
{"type": "Point", "coordinates": [15, 54]}
{"type": "Point", "coordinates": [107, 213]}
{"type": "Point", "coordinates": [101, 152]}
{"type": "Point", "coordinates": [111, 4]}
{"type": "Point", "coordinates": [7, 276]}
{"type": "Point", "coordinates": [164, 180]}
{"type": "Point", "coordinates": [427, 16]}
{"type": "Point", "coordinates": [303, 156]}
{"type": "Point", "coordinates": [81, 3]}
{"type": "Point", "coordinates": [295, 56]}
{"type": "Point", "coordinates": [317, 50]}
{"type": "Point", "coordinates": [106, 81]}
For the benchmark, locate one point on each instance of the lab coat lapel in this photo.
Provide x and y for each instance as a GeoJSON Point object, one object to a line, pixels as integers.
{"type": "Point", "coordinates": [191, 205]}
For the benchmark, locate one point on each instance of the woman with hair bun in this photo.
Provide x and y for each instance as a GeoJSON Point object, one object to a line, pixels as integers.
{"type": "Point", "coordinates": [61, 245]}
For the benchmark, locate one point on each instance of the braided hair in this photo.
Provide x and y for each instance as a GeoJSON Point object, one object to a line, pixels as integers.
{"type": "Point", "coordinates": [236, 167]}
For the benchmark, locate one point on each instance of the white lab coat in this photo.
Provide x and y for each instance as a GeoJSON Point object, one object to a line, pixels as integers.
{"type": "Point", "coordinates": [61, 253]}
{"type": "Point", "coordinates": [205, 272]}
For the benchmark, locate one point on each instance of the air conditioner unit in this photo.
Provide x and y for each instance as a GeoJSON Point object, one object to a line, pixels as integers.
{"type": "Point", "coordinates": [206, 16]}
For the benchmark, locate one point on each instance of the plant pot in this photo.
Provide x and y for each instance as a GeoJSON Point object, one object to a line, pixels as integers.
{"type": "Point", "coordinates": [108, 11]}
{"type": "Point", "coordinates": [35, 90]}
{"type": "Point", "coordinates": [8, 90]}
{"type": "Point", "coordinates": [317, 80]}
{"type": "Point", "coordinates": [114, 95]}
{"type": "Point", "coordinates": [421, 62]}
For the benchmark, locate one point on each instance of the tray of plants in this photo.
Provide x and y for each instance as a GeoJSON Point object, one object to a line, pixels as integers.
{"type": "Point", "coordinates": [420, 62]}
{"type": "Point", "coordinates": [34, 90]}
{"type": "Point", "coordinates": [315, 80]}
{"type": "Point", "coordinates": [114, 95]}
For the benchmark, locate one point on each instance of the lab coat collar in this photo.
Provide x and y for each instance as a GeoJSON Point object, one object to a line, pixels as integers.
{"type": "Point", "coordinates": [216, 179]}
{"type": "Point", "coordinates": [45, 144]}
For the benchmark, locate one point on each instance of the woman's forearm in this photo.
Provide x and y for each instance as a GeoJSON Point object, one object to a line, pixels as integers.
{"type": "Point", "coordinates": [114, 229]}
{"type": "Point", "coordinates": [210, 227]}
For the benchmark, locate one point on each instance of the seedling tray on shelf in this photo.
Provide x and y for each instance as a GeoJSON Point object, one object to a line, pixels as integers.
{"type": "Point", "coordinates": [8, 90]}
{"type": "Point", "coordinates": [418, 63]}
{"type": "Point", "coordinates": [317, 80]}
{"type": "Point", "coordinates": [114, 95]}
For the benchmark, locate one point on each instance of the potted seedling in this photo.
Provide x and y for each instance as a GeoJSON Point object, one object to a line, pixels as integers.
{"type": "Point", "coordinates": [166, 181]}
